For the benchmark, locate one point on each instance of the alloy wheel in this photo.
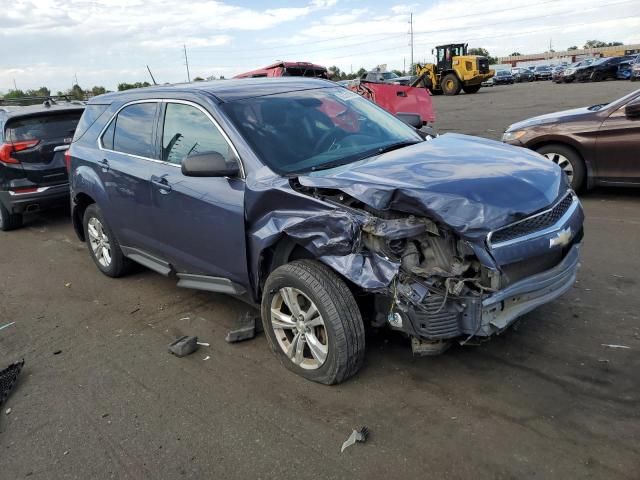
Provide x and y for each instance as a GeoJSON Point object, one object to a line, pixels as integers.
{"type": "Point", "coordinates": [563, 162]}
{"type": "Point", "coordinates": [99, 241]}
{"type": "Point", "coordinates": [299, 328]}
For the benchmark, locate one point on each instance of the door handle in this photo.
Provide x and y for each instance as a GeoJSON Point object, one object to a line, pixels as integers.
{"type": "Point", "coordinates": [161, 183]}
{"type": "Point", "coordinates": [104, 163]}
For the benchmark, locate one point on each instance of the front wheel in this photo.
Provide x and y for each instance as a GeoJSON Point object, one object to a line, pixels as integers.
{"type": "Point", "coordinates": [451, 85]}
{"type": "Point", "coordinates": [568, 160]}
{"type": "Point", "coordinates": [312, 322]}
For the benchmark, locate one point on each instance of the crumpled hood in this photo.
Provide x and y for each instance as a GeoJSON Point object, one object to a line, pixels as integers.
{"type": "Point", "coordinates": [471, 184]}
{"type": "Point", "coordinates": [549, 118]}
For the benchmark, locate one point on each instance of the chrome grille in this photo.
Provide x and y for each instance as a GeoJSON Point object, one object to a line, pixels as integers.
{"type": "Point", "coordinates": [532, 224]}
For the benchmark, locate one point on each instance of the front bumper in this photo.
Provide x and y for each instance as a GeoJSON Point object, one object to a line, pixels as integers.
{"type": "Point", "coordinates": [490, 314]}
{"type": "Point", "coordinates": [42, 198]}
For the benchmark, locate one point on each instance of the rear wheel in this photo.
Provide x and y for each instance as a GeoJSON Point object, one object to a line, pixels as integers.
{"type": "Point", "coordinates": [471, 88]}
{"type": "Point", "coordinates": [597, 77]}
{"type": "Point", "coordinates": [451, 85]}
{"type": "Point", "coordinates": [568, 160]}
{"type": "Point", "coordinates": [312, 322]}
{"type": "Point", "coordinates": [103, 245]}
{"type": "Point", "coordinates": [9, 221]}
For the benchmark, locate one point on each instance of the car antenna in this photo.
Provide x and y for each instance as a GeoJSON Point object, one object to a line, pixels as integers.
{"type": "Point", "coordinates": [152, 79]}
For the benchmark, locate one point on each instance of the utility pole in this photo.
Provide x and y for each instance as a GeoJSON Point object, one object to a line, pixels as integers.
{"type": "Point", "coordinates": [15, 86]}
{"type": "Point", "coordinates": [186, 62]}
{"type": "Point", "coordinates": [411, 36]}
{"type": "Point", "coordinates": [404, 65]}
{"type": "Point", "coordinates": [76, 77]}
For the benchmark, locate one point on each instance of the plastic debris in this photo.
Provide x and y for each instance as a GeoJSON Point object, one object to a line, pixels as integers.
{"type": "Point", "coordinates": [8, 378]}
{"type": "Point", "coordinates": [248, 325]}
{"type": "Point", "coordinates": [203, 344]}
{"type": "Point", "coordinates": [206, 358]}
{"type": "Point", "coordinates": [614, 346]}
{"type": "Point", "coordinates": [7, 325]}
{"type": "Point", "coordinates": [184, 346]}
{"type": "Point", "coordinates": [360, 435]}
{"type": "Point", "coordinates": [8, 411]}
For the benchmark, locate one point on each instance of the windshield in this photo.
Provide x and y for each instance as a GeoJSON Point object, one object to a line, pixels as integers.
{"type": "Point", "coordinates": [543, 69]}
{"type": "Point", "coordinates": [301, 131]}
{"type": "Point", "coordinates": [389, 75]}
{"type": "Point", "coordinates": [502, 73]}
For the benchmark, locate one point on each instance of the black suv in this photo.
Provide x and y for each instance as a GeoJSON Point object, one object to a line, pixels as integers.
{"type": "Point", "coordinates": [601, 69]}
{"type": "Point", "coordinates": [33, 175]}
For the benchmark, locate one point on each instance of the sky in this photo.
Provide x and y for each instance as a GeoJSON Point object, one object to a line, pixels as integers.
{"type": "Point", "coordinates": [105, 42]}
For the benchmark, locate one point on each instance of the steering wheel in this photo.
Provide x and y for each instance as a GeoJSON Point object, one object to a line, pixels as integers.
{"type": "Point", "coordinates": [327, 140]}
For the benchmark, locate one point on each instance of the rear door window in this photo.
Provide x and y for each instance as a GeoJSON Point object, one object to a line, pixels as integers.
{"type": "Point", "coordinates": [134, 129]}
{"type": "Point", "coordinates": [43, 127]}
{"type": "Point", "coordinates": [187, 130]}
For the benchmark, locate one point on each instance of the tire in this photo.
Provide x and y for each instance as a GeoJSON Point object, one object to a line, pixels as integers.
{"type": "Point", "coordinates": [471, 89]}
{"type": "Point", "coordinates": [567, 159]}
{"type": "Point", "coordinates": [633, 79]}
{"type": "Point", "coordinates": [597, 77]}
{"type": "Point", "coordinates": [9, 221]}
{"type": "Point", "coordinates": [339, 340]}
{"type": "Point", "coordinates": [96, 229]}
{"type": "Point", "coordinates": [450, 84]}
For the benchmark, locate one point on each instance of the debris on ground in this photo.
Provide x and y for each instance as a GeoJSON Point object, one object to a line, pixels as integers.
{"type": "Point", "coordinates": [206, 358]}
{"type": "Point", "coordinates": [7, 325]}
{"type": "Point", "coordinates": [68, 285]}
{"type": "Point", "coordinates": [184, 346]}
{"type": "Point", "coordinates": [8, 379]}
{"type": "Point", "coordinates": [203, 344]}
{"type": "Point", "coordinates": [360, 435]}
{"type": "Point", "coordinates": [614, 346]}
{"type": "Point", "coordinates": [8, 411]}
{"type": "Point", "coordinates": [57, 352]}
{"type": "Point", "coordinates": [248, 325]}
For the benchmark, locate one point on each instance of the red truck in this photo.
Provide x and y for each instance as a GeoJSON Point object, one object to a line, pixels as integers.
{"type": "Point", "coordinates": [397, 99]}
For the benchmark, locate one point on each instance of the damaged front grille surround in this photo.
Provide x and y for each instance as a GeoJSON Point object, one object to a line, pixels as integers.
{"type": "Point", "coordinates": [531, 225]}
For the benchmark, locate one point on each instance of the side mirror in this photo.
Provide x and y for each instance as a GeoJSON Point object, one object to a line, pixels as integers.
{"type": "Point", "coordinates": [209, 164]}
{"type": "Point", "coordinates": [411, 119]}
{"type": "Point", "coordinates": [632, 110]}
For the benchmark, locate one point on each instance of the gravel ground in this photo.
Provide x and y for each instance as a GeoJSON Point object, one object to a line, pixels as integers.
{"type": "Point", "coordinates": [544, 400]}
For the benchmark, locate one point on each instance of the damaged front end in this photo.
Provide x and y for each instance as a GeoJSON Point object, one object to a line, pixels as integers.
{"type": "Point", "coordinates": [429, 282]}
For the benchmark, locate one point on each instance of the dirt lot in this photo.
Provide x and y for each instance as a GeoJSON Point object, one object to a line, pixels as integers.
{"type": "Point", "coordinates": [544, 400]}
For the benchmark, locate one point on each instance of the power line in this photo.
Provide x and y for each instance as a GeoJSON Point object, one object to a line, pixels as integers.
{"type": "Point", "coordinates": [431, 32]}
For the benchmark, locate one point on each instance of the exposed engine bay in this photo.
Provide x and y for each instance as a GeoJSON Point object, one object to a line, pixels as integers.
{"type": "Point", "coordinates": [439, 275]}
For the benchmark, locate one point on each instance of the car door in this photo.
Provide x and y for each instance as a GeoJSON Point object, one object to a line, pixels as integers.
{"type": "Point", "coordinates": [198, 220]}
{"type": "Point", "coordinates": [618, 145]}
{"type": "Point", "coordinates": [130, 155]}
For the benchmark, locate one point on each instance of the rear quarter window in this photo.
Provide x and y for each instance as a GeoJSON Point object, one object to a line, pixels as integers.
{"type": "Point", "coordinates": [43, 127]}
{"type": "Point", "coordinates": [89, 117]}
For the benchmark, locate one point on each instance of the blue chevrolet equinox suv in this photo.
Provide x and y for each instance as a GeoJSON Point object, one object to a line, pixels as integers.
{"type": "Point", "coordinates": [329, 213]}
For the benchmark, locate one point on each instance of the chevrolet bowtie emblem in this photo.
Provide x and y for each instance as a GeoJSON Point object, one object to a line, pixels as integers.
{"type": "Point", "coordinates": [561, 239]}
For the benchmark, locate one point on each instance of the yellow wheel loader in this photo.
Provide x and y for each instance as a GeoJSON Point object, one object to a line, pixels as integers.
{"type": "Point", "coordinates": [454, 71]}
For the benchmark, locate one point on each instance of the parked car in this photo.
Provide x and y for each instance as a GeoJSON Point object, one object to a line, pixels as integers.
{"type": "Point", "coordinates": [33, 175]}
{"type": "Point", "coordinates": [521, 74]}
{"type": "Point", "coordinates": [601, 69]}
{"type": "Point", "coordinates": [557, 73]}
{"type": "Point", "coordinates": [624, 68]}
{"type": "Point", "coordinates": [378, 76]}
{"type": "Point", "coordinates": [488, 83]}
{"type": "Point", "coordinates": [542, 72]}
{"type": "Point", "coordinates": [635, 69]}
{"type": "Point", "coordinates": [405, 80]}
{"type": "Point", "coordinates": [595, 145]}
{"type": "Point", "coordinates": [503, 77]}
{"type": "Point", "coordinates": [300, 196]}
{"type": "Point", "coordinates": [569, 74]}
